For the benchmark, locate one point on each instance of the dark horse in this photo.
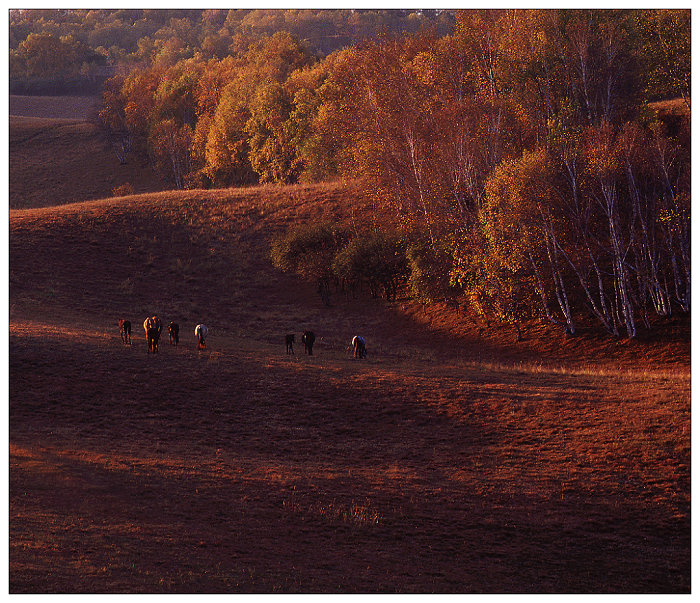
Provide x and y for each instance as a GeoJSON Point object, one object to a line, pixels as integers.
{"type": "Point", "coordinates": [153, 326]}
{"type": "Point", "coordinates": [289, 341]}
{"type": "Point", "coordinates": [125, 331]}
{"type": "Point", "coordinates": [174, 332]}
{"type": "Point", "coordinates": [308, 339]}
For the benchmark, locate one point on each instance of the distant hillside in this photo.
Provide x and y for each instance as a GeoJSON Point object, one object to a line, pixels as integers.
{"type": "Point", "coordinates": [57, 156]}
{"type": "Point", "coordinates": [54, 107]}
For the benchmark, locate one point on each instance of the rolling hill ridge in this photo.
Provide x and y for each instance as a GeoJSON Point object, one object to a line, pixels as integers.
{"type": "Point", "coordinates": [452, 460]}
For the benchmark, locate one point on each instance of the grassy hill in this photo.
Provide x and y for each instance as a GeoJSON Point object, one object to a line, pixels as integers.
{"type": "Point", "coordinates": [57, 156]}
{"type": "Point", "coordinates": [202, 255]}
{"type": "Point", "coordinates": [451, 460]}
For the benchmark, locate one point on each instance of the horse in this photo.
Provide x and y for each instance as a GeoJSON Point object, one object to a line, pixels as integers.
{"type": "Point", "coordinates": [308, 339]}
{"type": "Point", "coordinates": [174, 332]}
{"type": "Point", "coordinates": [125, 331]}
{"type": "Point", "coordinates": [359, 348]}
{"type": "Point", "coordinates": [153, 327]}
{"type": "Point", "coordinates": [289, 341]}
{"type": "Point", "coordinates": [152, 337]}
{"type": "Point", "coordinates": [200, 332]}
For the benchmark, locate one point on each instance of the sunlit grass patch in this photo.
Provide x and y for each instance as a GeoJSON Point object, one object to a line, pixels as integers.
{"type": "Point", "coordinates": [582, 369]}
{"type": "Point", "coordinates": [361, 514]}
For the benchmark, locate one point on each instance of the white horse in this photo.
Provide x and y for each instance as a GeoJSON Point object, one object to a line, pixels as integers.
{"type": "Point", "coordinates": [200, 332]}
{"type": "Point", "coordinates": [358, 347]}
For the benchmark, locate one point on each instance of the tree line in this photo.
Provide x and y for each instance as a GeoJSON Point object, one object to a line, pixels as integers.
{"type": "Point", "coordinates": [531, 168]}
{"type": "Point", "coordinates": [537, 162]}
{"type": "Point", "coordinates": [73, 50]}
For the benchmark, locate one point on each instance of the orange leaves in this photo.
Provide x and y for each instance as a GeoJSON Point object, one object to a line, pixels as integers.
{"type": "Point", "coordinates": [272, 154]}
{"type": "Point", "coordinates": [601, 152]}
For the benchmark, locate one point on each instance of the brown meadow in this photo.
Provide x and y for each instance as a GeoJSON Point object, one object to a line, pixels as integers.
{"type": "Point", "coordinates": [58, 156]}
{"type": "Point", "coordinates": [452, 460]}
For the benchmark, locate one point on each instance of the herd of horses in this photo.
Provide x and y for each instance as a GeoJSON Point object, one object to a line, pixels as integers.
{"type": "Point", "coordinates": [307, 339]}
{"type": "Point", "coordinates": [359, 347]}
{"type": "Point", "coordinates": [153, 327]}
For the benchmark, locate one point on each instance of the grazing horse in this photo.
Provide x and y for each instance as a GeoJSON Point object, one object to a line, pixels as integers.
{"type": "Point", "coordinates": [201, 332]}
{"type": "Point", "coordinates": [308, 339]}
{"type": "Point", "coordinates": [359, 348]}
{"type": "Point", "coordinates": [153, 326]}
{"type": "Point", "coordinates": [289, 341]}
{"type": "Point", "coordinates": [174, 332]}
{"type": "Point", "coordinates": [125, 331]}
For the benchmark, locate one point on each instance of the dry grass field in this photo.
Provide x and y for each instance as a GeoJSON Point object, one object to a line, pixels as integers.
{"type": "Point", "coordinates": [451, 460]}
{"type": "Point", "coordinates": [443, 463]}
{"type": "Point", "coordinates": [57, 156]}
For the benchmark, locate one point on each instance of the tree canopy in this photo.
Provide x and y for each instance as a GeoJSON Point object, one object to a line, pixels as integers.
{"type": "Point", "coordinates": [529, 163]}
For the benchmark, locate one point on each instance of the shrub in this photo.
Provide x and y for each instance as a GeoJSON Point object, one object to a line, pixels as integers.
{"type": "Point", "coordinates": [122, 190]}
{"type": "Point", "coordinates": [309, 251]}
{"type": "Point", "coordinates": [429, 274]}
{"type": "Point", "coordinates": [378, 261]}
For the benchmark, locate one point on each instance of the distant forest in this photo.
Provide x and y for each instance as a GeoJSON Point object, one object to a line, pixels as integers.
{"type": "Point", "coordinates": [73, 50]}
{"type": "Point", "coordinates": [537, 161]}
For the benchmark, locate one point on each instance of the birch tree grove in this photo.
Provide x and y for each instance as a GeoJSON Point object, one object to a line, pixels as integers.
{"type": "Point", "coordinates": [537, 162]}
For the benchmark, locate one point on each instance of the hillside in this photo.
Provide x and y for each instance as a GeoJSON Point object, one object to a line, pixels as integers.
{"type": "Point", "coordinates": [56, 155]}
{"type": "Point", "coordinates": [194, 245]}
{"type": "Point", "coordinates": [451, 460]}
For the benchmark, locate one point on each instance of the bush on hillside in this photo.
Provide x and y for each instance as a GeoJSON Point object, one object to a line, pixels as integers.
{"type": "Point", "coordinates": [378, 261]}
{"type": "Point", "coordinates": [309, 250]}
{"type": "Point", "coordinates": [123, 190]}
{"type": "Point", "coordinates": [429, 274]}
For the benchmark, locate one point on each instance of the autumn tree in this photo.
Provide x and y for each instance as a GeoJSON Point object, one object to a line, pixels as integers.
{"type": "Point", "coordinates": [272, 153]}
{"type": "Point", "coordinates": [665, 52]}
{"type": "Point", "coordinates": [523, 235]}
{"type": "Point", "coordinates": [248, 138]}
{"type": "Point", "coordinates": [171, 148]}
{"type": "Point", "coordinates": [112, 117]}
{"type": "Point", "coordinates": [227, 149]}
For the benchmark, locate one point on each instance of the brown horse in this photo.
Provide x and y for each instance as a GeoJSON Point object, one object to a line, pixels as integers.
{"type": "Point", "coordinates": [125, 331]}
{"type": "Point", "coordinates": [153, 326]}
